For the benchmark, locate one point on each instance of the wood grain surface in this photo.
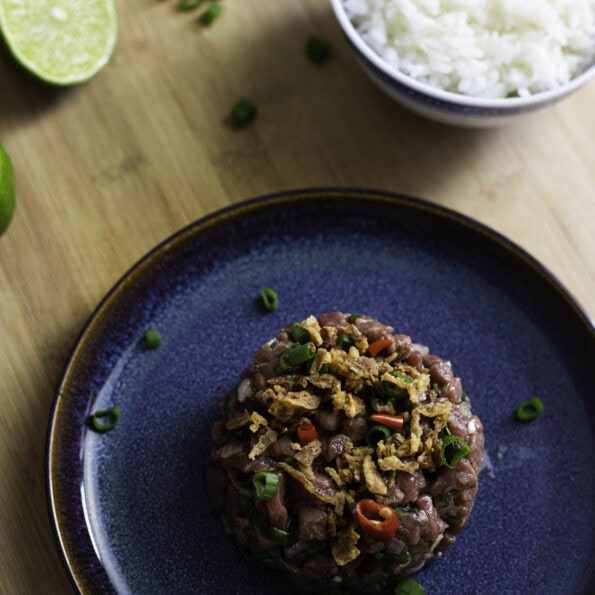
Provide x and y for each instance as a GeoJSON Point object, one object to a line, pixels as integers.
{"type": "Point", "coordinates": [106, 170]}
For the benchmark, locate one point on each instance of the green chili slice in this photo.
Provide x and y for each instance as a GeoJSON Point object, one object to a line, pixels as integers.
{"type": "Point", "coordinates": [344, 341]}
{"type": "Point", "coordinates": [211, 14]}
{"type": "Point", "coordinates": [269, 299]}
{"type": "Point", "coordinates": [298, 334]}
{"type": "Point", "coordinates": [152, 338]}
{"type": "Point", "coordinates": [409, 586]}
{"type": "Point", "coordinates": [453, 450]}
{"type": "Point", "coordinates": [529, 410]}
{"type": "Point", "coordinates": [265, 484]}
{"type": "Point", "coordinates": [243, 113]}
{"type": "Point", "coordinates": [317, 49]}
{"type": "Point", "coordinates": [279, 536]}
{"type": "Point", "coordinates": [104, 421]}
{"type": "Point", "coordinates": [376, 434]}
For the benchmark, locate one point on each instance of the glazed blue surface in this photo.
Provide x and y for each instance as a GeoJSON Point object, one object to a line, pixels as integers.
{"type": "Point", "coordinates": [142, 524]}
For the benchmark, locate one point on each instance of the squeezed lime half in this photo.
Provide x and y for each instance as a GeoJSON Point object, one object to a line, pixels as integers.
{"type": "Point", "coordinates": [7, 202]}
{"type": "Point", "coordinates": [63, 42]}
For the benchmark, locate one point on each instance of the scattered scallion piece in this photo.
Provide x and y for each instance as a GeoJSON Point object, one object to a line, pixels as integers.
{"type": "Point", "coordinates": [152, 338]}
{"type": "Point", "coordinates": [453, 450]}
{"type": "Point", "coordinates": [376, 434]}
{"type": "Point", "coordinates": [269, 299]}
{"type": "Point", "coordinates": [353, 318]}
{"type": "Point", "coordinates": [279, 536]}
{"type": "Point", "coordinates": [529, 410]}
{"type": "Point", "coordinates": [104, 421]}
{"type": "Point", "coordinates": [400, 375]}
{"type": "Point", "coordinates": [211, 14]}
{"type": "Point", "coordinates": [298, 354]}
{"type": "Point", "coordinates": [393, 391]}
{"type": "Point", "coordinates": [455, 521]}
{"type": "Point", "coordinates": [298, 334]}
{"type": "Point", "coordinates": [187, 5]}
{"type": "Point", "coordinates": [344, 341]}
{"type": "Point", "coordinates": [265, 484]}
{"type": "Point", "coordinates": [243, 113]}
{"type": "Point", "coordinates": [324, 369]}
{"type": "Point", "coordinates": [409, 586]}
{"type": "Point", "coordinates": [317, 49]}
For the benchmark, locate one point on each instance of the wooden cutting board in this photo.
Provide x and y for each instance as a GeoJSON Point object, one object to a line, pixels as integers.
{"type": "Point", "coordinates": [108, 169]}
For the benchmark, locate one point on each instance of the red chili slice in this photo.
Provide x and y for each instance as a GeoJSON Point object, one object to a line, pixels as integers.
{"type": "Point", "coordinates": [377, 346]}
{"type": "Point", "coordinates": [306, 432]}
{"type": "Point", "coordinates": [384, 526]}
{"type": "Point", "coordinates": [394, 422]}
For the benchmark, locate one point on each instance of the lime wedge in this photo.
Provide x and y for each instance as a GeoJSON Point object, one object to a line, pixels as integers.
{"type": "Point", "coordinates": [6, 190]}
{"type": "Point", "coordinates": [60, 41]}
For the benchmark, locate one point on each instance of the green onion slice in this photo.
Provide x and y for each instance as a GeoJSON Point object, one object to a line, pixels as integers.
{"type": "Point", "coordinates": [243, 113]}
{"type": "Point", "coordinates": [187, 5]}
{"type": "Point", "coordinates": [455, 521]}
{"type": "Point", "coordinates": [317, 49]}
{"type": "Point", "coordinates": [298, 334]}
{"type": "Point", "coordinates": [353, 317]}
{"type": "Point", "coordinates": [453, 450]}
{"type": "Point", "coordinates": [269, 299]}
{"type": "Point", "coordinates": [152, 338]}
{"type": "Point", "coordinates": [400, 375]}
{"type": "Point", "coordinates": [409, 586]}
{"type": "Point", "coordinates": [297, 355]}
{"type": "Point", "coordinates": [344, 341]}
{"type": "Point", "coordinates": [104, 421]}
{"type": "Point", "coordinates": [265, 484]}
{"type": "Point", "coordinates": [376, 434]}
{"type": "Point", "coordinates": [394, 392]}
{"type": "Point", "coordinates": [529, 410]}
{"type": "Point", "coordinates": [212, 13]}
{"type": "Point", "coordinates": [279, 536]}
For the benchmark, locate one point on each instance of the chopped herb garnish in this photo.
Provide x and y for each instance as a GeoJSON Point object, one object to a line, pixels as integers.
{"type": "Point", "coordinates": [455, 521]}
{"type": "Point", "coordinates": [353, 318]}
{"type": "Point", "coordinates": [187, 5]}
{"type": "Point", "coordinates": [299, 354]}
{"type": "Point", "coordinates": [344, 341]}
{"type": "Point", "coordinates": [394, 392]}
{"type": "Point", "coordinates": [265, 484]}
{"type": "Point", "coordinates": [279, 536]}
{"type": "Point", "coordinates": [104, 421]}
{"type": "Point", "coordinates": [409, 586]}
{"type": "Point", "coordinates": [453, 450]}
{"type": "Point", "coordinates": [289, 460]}
{"type": "Point", "coordinates": [323, 369]}
{"type": "Point", "coordinates": [463, 396]}
{"type": "Point", "coordinates": [402, 376]}
{"type": "Point", "coordinates": [211, 14]}
{"type": "Point", "coordinates": [317, 49]}
{"type": "Point", "coordinates": [243, 113]}
{"type": "Point", "coordinates": [269, 299]}
{"type": "Point", "coordinates": [152, 338]}
{"type": "Point", "coordinates": [376, 434]}
{"type": "Point", "coordinates": [298, 334]}
{"type": "Point", "coordinates": [529, 410]}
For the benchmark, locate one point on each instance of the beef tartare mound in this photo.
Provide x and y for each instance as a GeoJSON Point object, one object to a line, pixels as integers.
{"type": "Point", "coordinates": [347, 455]}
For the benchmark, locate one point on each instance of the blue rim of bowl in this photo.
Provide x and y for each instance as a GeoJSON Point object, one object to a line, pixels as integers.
{"type": "Point", "coordinates": [448, 101]}
{"type": "Point", "coordinates": [81, 561]}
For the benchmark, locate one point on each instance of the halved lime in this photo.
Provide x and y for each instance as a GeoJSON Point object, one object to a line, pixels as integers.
{"type": "Point", "coordinates": [60, 41]}
{"type": "Point", "coordinates": [6, 190]}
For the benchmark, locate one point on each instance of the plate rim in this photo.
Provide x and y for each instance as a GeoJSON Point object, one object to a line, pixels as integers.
{"type": "Point", "coordinates": [220, 217]}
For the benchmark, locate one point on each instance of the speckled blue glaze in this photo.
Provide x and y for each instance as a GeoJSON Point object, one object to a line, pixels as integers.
{"type": "Point", "coordinates": [129, 506]}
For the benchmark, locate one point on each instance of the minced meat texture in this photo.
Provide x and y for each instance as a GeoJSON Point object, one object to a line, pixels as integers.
{"type": "Point", "coordinates": [351, 378]}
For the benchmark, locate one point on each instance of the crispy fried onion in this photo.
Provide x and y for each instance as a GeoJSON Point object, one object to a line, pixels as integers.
{"type": "Point", "coordinates": [344, 548]}
{"type": "Point", "coordinates": [264, 441]}
{"type": "Point", "coordinates": [409, 454]}
{"type": "Point", "coordinates": [285, 405]}
{"type": "Point", "coordinates": [419, 381]}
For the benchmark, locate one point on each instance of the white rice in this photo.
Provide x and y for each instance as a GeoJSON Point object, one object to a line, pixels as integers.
{"type": "Point", "coordinates": [483, 48]}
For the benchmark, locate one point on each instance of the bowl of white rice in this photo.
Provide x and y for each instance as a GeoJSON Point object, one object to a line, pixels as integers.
{"type": "Point", "coordinates": [472, 62]}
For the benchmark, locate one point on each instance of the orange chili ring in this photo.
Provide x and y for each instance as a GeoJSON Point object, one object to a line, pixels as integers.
{"type": "Point", "coordinates": [306, 432]}
{"type": "Point", "coordinates": [376, 347]}
{"type": "Point", "coordinates": [382, 528]}
{"type": "Point", "coordinates": [394, 422]}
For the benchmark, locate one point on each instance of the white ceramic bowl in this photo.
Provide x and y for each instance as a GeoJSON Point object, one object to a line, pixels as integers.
{"type": "Point", "coordinates": [444, 106]}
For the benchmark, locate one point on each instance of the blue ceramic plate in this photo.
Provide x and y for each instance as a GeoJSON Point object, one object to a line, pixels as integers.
{"type": "Point", "coordinates": [129, 506]}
